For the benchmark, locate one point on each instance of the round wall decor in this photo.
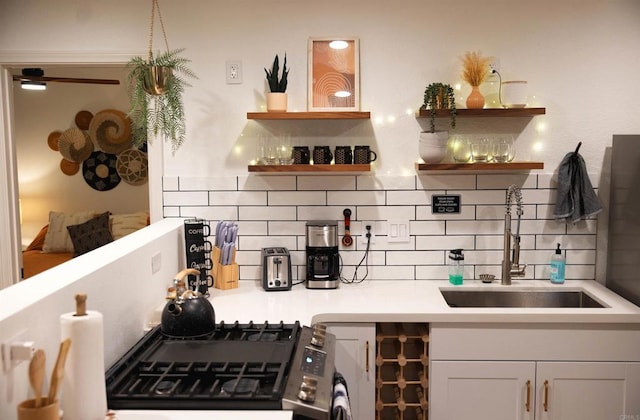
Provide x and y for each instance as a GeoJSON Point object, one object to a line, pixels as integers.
{"type": "Point", "coordinates": [83, 119]}
{"type": "Point", "coordinates": [52, 140]}
{"type": "Point", "coordinates": [100, 172]}
{"type": "Point", "coordinates": [111, 130]}
{"type": "Point", "coordinates": [69, 168]}
{"type": "Point", "coordinates": [133, 166]}
{"type": "Point", "coordinates": [75, 145]}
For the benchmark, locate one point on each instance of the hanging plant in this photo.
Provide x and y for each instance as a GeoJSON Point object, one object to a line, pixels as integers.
{"type": "Point", "coordinates": [155, 86]}
{"type": "Point", "coordinates": [439, 96]}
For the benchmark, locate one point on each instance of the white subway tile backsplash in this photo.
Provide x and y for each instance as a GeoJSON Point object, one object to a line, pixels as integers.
{"type": "Point", "coordinates": [327, 183]}
{"type": "Point", "coordinates": [266, 183]}
{"type": "Point", "coordinates": [273, 210]}
{"type": "Point", "coordinates": [426, 213]}
{"type": "Point", "coordinates": [445, 242]}
{"type": "Point", "coordinates": [446, 182]}
{"type": "Point", "coordinates": [238, 198]}
{"type": "Point", "coordinates": [416, 258]}
{"type": "Point", "coordinates": [388, 183]}
{"type": "Point", "coordinates": [502, 182]}
{"type": "Point", "coordinates": [297, 198]}
{"type": "Point", "coordinates": [208, 183]}
{"type": "Point", "coordinates": [356, 198]}
{"type": "Point", "coordinates": [180, 198]}
{"type": "Point", "coordinates": [399, 198]}
{"type": "Point", "coordinates": [170, 183]}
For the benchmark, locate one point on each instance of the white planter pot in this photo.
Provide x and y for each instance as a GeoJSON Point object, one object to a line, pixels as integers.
{"type": "Point", "coordinates": [276, 102]}
{"type": "Point", "coordinates": [433, 146]}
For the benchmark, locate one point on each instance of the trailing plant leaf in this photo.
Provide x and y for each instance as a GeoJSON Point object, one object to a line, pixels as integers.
{"type": "Point", "coordinates": [439, 96]}
{"type": "Point", "coordinates": [276, 85]}
{"type": "Point", "coordinates": [158, 113]}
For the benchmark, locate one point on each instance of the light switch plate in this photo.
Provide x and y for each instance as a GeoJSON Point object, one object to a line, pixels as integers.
{"type": "Point", "coordinates": [398, 231]}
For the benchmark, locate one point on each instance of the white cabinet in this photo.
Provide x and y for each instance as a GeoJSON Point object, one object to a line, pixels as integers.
{"type": "Point", "coordinates": [534, 390]}
{"type": "Point", "coordinates": [481, 390]}
{"type": "Point", "coordinates": [355, 347]}
{"type": "Point", "coordinates": [587, 391]}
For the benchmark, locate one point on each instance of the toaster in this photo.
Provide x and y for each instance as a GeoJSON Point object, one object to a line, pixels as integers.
{"type": "Point", "coordinates": [276, 269]}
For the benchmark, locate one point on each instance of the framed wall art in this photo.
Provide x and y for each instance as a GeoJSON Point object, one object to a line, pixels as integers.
{"type": "Point", "coordinates": [334, 74]}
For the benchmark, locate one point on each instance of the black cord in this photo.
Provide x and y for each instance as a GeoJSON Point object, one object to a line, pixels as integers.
{"type": "Point", "coordinates": [355, 279]}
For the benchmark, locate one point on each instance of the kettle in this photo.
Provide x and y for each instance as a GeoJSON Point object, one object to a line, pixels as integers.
{"type": "Point", "coordinates": [187, 313]}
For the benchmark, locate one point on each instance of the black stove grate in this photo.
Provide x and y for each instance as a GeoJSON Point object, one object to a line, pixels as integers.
{"type": "Point", "coordinates": [239, 366]}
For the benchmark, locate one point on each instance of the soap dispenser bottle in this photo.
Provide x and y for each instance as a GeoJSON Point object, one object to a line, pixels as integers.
{"type": "Point", "coordinates": [557, 267]}
{"type": "Point", "coordinates": [456, 266]}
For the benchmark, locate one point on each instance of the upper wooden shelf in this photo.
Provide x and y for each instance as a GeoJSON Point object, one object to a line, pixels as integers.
{"type": "Point", "coordinates": [486, 112]}
{"type": "Point", "coordinates": [310, 168]}
{"type": "Point", "coordinates": [345, 115]}
{"type": "Point", "coordinates": [510, 166]}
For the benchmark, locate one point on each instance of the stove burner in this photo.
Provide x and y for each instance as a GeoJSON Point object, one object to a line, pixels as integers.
{"type": "Point", "coordinates": [241, 386]}
{"type": "Point", "coordinates": [263, 336]}
{"type": "Point", "coordinates": [164, 387]}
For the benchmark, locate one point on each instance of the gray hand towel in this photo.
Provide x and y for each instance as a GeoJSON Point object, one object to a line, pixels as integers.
{"type": "Point", "coordinates": [576, 198]}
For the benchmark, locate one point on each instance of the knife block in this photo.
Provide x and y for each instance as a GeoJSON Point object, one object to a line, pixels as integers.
{"type": "Point", "coordinates": [225, 277]}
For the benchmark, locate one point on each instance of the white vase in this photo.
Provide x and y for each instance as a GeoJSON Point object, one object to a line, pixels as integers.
{"type": "Point", "coordinates": [276, 102]}
{"type": "Point", "coordinates": [433, 146]}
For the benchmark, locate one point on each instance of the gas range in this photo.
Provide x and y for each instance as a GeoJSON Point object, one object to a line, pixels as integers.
{"type": "Point", "coordinates": [268, 366]}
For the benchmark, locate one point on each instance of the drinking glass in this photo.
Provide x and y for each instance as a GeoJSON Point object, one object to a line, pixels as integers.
{"type": "Point", "coordinates": [503, 149]}
{"type": "Point", "coordinates": [267, 150]}
{"type": "Point", "coordinates": [460, 148]}
{"type": "Point", "coordinates": [480, 149]}
{"type": "Point", "coordinates": [285, 156]}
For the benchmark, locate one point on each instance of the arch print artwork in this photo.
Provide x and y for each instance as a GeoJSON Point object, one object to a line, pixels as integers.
{"type": "Point", "coordinates": [334, 74]}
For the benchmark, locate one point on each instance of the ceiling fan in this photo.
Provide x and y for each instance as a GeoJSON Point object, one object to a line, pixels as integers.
{"type": "Point", "coordinates": [34, 78]}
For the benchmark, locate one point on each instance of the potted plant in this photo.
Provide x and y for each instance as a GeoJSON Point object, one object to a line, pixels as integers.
{"type": "Point", "coordinates": [155, 86]}
{"type": "Point", "coordinates": [475, 69]}
{"type": "Point", "coordinates": [433, 144]}
{"type": "Point", "coordinates": [277, 97]}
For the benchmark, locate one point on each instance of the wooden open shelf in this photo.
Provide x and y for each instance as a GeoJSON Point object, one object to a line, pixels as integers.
{"type": "Point", "coordinates": [346, 115]}
{"type": "Point", "coordinates": [511, 166]}
{"type": "Point", "coordinates": [485, 112]}
{"type": "Point", "coordinates": [310, 168]}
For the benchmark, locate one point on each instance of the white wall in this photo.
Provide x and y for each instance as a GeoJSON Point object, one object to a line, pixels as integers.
{"type": "Point", "coordinates": [43, 187]}
{"type": "Point", "coordinates": [119, 284]}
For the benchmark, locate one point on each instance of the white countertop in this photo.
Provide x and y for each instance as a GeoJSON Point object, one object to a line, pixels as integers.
{"type": "Point", "coordinates": [201, 415]}
{"type": "Point", "coordinates": [407, 301]}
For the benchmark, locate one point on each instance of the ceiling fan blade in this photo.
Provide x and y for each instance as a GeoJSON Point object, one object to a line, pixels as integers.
{"type": "Point", "coordinates": [65, 80]}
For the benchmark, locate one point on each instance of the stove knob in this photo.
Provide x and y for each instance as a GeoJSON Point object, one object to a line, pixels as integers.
{"type": "Point", "coordinates": [318, 335]}
{"type": "Point", "coordinates": [308, 388]}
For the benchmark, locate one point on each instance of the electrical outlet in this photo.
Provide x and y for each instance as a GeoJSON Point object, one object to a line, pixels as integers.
{"type": "Point", "coordinates": [494, 64]}
{"type": "Point", "coordinates": [234, 72]}
{"type": "Point", "coordinates": [156, 263]}
{"type": "Point", "coordinates": [372, 232]}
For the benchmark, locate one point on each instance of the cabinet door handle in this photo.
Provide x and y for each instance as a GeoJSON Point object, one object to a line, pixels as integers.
{"type": "Point", "coordinates": [527, 405]}
{"type": "Point", "coordinates": [366, 356]}
{"type": "Point", "coordinates": [546, 396]}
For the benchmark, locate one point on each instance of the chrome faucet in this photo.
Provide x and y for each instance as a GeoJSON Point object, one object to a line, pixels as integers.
{"type": "Point", "coordinates": [511, 263]}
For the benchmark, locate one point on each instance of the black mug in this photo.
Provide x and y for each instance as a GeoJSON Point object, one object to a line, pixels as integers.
{"type": "Point", "coordinates": [362, 154]}
{"type": "Point", "coordinates": [301, 155]}
{"type": "Point", "coordinates": [322, 155]}
{"type": "Point", "coordinates": [343, 155]}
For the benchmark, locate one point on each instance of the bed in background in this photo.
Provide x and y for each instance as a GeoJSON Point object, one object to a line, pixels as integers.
{"type": "Point", "coordinates": [68, 235]}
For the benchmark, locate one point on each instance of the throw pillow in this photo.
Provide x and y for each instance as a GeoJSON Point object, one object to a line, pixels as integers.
{"type": "Point", "coordinates": [57, 238]}
{"type": "Point", "coordinates": [91, 234]}
{"type": "Point", "coordinates": [124, 224]}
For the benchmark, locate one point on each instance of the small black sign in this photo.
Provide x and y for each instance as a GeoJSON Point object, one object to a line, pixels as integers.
{"type": "Point", "coordinates": [445, 204]}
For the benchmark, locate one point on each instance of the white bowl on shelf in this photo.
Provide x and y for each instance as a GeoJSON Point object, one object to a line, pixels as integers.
{"type": "Point", "coordinates": [432, 147]}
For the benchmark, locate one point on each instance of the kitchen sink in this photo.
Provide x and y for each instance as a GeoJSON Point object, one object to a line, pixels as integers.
{"type": "Point", "coordinates": [519, 299]}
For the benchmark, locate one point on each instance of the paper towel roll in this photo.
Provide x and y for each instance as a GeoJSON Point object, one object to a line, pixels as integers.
{"type": "Point", "coordinates": [84, 395]}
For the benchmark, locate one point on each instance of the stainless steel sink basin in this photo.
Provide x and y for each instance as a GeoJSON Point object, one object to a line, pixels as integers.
{"type": "Point", "coordinates": [519, 299]}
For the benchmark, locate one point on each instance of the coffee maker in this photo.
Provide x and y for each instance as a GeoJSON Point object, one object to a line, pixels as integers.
{"type": "Point", "coordinates": [323, 261]}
